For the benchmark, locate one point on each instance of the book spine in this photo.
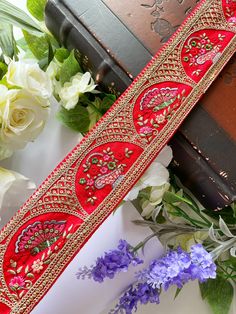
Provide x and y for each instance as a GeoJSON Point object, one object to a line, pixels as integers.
{"type": "Point", "coordinates": [94, 58]}
{"type": "Point", "coordinates": [197, 175]}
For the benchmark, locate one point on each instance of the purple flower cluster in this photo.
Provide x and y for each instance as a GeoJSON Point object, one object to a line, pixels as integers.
{"type": "Point", "coordinates": [178, 267]}
{"type": "Point", "coordinates": [141, 293]}
{"type": "Point", "coordinates": [111, 263]}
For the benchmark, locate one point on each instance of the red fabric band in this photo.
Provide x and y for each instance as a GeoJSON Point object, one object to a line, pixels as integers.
{"type": "Point", "coordinates": [53, 225]}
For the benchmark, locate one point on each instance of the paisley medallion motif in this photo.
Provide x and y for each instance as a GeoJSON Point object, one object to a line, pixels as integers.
{"type": "Point", "coordinates": [102, 170]}
{"type": "Point", "coordinates": [203, 49]}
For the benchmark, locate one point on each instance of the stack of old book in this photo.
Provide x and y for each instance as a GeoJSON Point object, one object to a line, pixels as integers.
{"type": "Point", "coordinates": [116, 39]}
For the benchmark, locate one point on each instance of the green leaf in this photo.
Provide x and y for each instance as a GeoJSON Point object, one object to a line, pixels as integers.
{"type": "Point", "coordinates": [69, 68]}
{"type": "Point", "coordinates": [171, 198]}
{"type": "Point", "coordinates": [178, 290]}
{"type": "Point", "coordinates": [11, 14]}
{"type": "Point", "coordinates": [50, 52]}
{"type": "Point", "coordinates": [226, 213]}
{"type": "Point", "coordinates": [233, 206]}
{"type": "Point", "coordinates": [107, 101]}
{"type": "Point", "coordinates": [61, 54]}
{"type": "Point", "coordinates": [218, 293]}
{"type": "Point", "coordinates": [7, 41]}
{"type": "Point", "coordinates": [38, 45]}
{"type": "Point", "coordinates": [3, 69]}
{"type": "Point", "coordinates": [37, 8]}
{"type": "Point", "coordinates": [77, 119]}
{"type": "Point", "coordinates": [22, 43]}
{"type": "Point", "coordinates": [145, 193]}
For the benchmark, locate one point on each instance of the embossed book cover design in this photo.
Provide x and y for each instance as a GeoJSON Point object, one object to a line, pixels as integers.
{"type": "Point", "coordinates": [118, 38]}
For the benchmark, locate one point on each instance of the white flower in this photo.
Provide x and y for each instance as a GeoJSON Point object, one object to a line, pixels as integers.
{"type": "Point", "coordinates": [156, 175]}
{"type": "Point", "coordinates": [71, 91]}
{"type": "Point", "coordinates": [22, 117]}
{"type": "Point", "coordinates": [29, 76]}
{"type": "Point", "coordinates": [37, 266]}
{"type": "Point", "coordinates": [53, 72]}
{"type": "Point", "coordinates": [14, 189]}
{"type": "Point", "coordinates": [155, 198]}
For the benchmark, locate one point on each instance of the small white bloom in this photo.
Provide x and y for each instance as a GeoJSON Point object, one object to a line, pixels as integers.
{"type": "Point", "coordinates": [29, 76]}
{"type": "Point", "coordinates": [155, 198]}
{"type": "Point", "coordinates": [22, 118]}
{"type": "Point", "coordinates": [53, 71]}
{"type": "Point", "coordinates": [71, 91]}
{"type": "Point", "coordinates": [155, 176]}
{"type": "Point", "coordinates": [14, 189]}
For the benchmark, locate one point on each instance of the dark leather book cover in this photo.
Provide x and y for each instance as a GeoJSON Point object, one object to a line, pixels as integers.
{"type": "Point", "coordinates": [116, 39]}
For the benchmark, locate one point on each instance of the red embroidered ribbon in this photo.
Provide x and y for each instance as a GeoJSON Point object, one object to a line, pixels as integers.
{"type": "Point", "coordinates": [47, 232]}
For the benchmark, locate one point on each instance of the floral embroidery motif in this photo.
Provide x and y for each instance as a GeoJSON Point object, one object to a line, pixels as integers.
{"type": "Point", "coordinates": [39, 236]}
{"type": "Point", "coordinates": [200, 49]}
{"type": "Point", "coordinates": [17, 283]}
{"type": "Point", "coordinates": [230, 12]}
{"type": "Point", "coordinates": [37, 266]}
{"type": "Point", "coordinates": [103, 169]}
{"type": "Point", "coordinates": [159, 100]}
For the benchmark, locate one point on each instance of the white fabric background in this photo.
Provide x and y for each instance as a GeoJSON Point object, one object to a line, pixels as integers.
{"type": "Point", "coordinates": [69, 295]}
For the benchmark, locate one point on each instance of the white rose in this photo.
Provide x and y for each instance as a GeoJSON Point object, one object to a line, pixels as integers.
{"type": "Point", "coordinates": [155, 176]}
{"type": "Point", "coordinates": [30, 77]}
{"type": "Point", "coordinates": [5, 152]}
{"type": "Point", "coordinates": [14, 190]}
{"type": "Point", "coordinates": [22, 118]}
{"type": "Point", "coordinates": [71, 91]}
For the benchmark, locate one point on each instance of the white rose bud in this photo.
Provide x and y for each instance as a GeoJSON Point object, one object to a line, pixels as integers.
{"type": "Point", "coordinates": [30, 77]}
{"type": "Point", "coordinates": [22, 118]}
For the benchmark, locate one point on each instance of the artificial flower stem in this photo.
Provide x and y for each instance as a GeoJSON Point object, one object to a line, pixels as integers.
{"type": "Point", "coordinates": [223, 248]}
{"type": "Point", "coordinates": [143, 243]}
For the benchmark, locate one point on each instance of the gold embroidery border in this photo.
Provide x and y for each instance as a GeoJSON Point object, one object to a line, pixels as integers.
{"type": "Point", "coordinates": [100, 214]}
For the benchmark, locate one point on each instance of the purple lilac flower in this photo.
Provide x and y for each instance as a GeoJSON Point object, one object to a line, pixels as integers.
{"type": "Point", "coordinates": [202, 267]}
{"type": "Point", "coordinates": [175, 268]}
{"type": "Point", "coordinates": [111, 263]}
{"type": "Point", "coordinates": [178, 267]}
{"type": "Point", "coordinates": [141, 293]}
